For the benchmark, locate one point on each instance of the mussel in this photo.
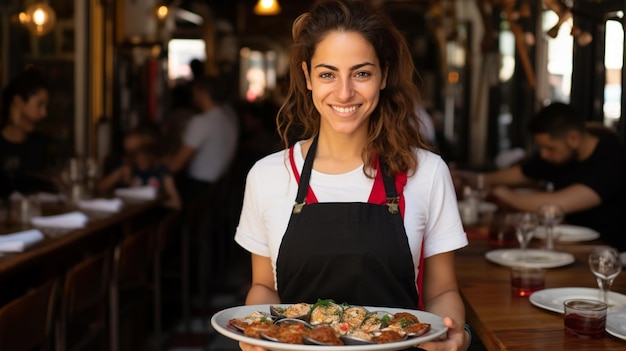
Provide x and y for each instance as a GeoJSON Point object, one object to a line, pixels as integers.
{"type": "Point", "coordinates": [256, 317]}
{"type": "Point", "coordinates": [407, 323]}
{"type": "Point", "coordinates": [355, 315]}
{"type": "Point", "coordinates": [322, 335]}
{"type": "Point", "coordinates": [325, 312]}
{"type": "Point", "coordinates": [376, 321]}
{"type": "Point", "coordinates": [385, 336]}
{"type": "Point", "coordinates": [357, 337]}
{"type": "Point", "coordinates": [287, 330]}
{"type": "Point", "coordinates": [299, 311]}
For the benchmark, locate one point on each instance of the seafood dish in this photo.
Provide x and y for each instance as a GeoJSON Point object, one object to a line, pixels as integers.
{"type": "Point", "coordinates": [328, 323]}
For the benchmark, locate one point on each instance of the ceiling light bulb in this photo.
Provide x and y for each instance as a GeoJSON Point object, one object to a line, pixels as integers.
{"type": "Point", "coordinates": [162, 12]}
{"type": "Point", "coordinates": [39, 18]}
{"type": "Point", "coordinates": [267, 7]}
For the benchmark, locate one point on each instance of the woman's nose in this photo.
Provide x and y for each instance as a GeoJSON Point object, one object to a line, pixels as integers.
{"type": "Point", "coordinates": [345, 89]}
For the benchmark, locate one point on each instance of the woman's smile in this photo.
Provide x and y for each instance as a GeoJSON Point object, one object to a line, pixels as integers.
{"type": "Point", "coordinates": [346, 109]}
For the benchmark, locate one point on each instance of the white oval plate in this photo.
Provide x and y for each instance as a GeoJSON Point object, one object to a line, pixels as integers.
{"type": "Point", "coordinates": [530, 258]}
{"type": "Point", "coordinates": [553, 299]}
{"type": "Point", "coordinates": [569, 233]}
{"type": "Point", "coordinates": [219, 321]}
{"type": "Point", "coordinates": [616, 324]}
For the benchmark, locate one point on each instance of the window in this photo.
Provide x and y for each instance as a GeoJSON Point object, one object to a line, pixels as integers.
{"type": "Point", "coordinates": [560, 51]}
{"type": "Point", "coordinates": [180, 52]}
{"type": "Point", "coordinates": [613, 60]}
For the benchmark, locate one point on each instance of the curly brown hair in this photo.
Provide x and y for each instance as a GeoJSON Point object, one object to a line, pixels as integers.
{"type": "Point", "coordinates": [393, 126]}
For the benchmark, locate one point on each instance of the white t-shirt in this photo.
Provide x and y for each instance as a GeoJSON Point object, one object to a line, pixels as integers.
{"type": "Point", "coordinates": [431, 209]}
{"type": "Point", "coordinates": [213, 135]}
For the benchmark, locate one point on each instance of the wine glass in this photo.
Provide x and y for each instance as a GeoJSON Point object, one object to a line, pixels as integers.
{"type": "Point", "coordinates": [525, 224]}
{"type": "Point", "coordinates": [549, 216]}
{"type": "Point", "coordinates": [606, 264]}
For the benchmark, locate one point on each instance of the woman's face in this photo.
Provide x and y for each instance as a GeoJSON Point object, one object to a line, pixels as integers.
{"type": "Point", "coordinates": [345, 81]}
{"type": "Point", "coordinates": [31, 111]}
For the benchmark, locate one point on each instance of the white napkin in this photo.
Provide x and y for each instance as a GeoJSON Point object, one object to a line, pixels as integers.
{"type": "Point", "coordinates": [142, 193]}
{"type": "Point", "coordinates": [66, 221]}
{"type": "Point", "coordinates": [18, 242]}
{"type": "Point", "coordinates": [104, 205]}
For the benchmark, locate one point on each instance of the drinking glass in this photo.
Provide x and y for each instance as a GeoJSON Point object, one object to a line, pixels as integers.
{"type": "Point", "coordinates": [606, 264]}
{"type": "Point", "coordinates": [526, 222]}
{"type": "Point", "coordinates": [550, 215]}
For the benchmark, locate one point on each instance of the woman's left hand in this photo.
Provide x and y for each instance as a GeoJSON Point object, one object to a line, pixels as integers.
{"type": "Point", "coordinates": [457, 339]}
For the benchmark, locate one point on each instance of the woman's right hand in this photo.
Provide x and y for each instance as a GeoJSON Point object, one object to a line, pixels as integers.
{"type": "Point", "coordinates": [247, 347]}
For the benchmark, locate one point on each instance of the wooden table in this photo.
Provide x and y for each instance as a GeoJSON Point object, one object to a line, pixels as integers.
{"type": "Point", "coordinates": [52, 256]}
{"type": "Point", "coordinates": [506, 322]}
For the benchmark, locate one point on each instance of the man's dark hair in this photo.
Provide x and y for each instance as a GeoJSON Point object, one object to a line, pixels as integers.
{"type": "Point", "coordinates": [213, 86]}
{"type": "Point", "coordinates": [556, 119]}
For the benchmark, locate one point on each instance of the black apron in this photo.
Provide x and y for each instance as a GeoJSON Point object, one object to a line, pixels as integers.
{"type": "Point", "coordinates": [350, 252]}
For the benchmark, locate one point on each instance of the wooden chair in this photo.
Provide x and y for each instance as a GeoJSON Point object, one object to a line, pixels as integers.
{"type": "Point", "coordinates": [82, 321]}
{"type": "Point", "coordinates": [130, 289]}
{"type": "Point", "coordinates": [26, 322]}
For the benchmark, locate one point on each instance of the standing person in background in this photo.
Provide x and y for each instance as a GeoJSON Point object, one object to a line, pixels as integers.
{"type": "Point", "coordinates": [143, 167]}
{"type": "Point", "coordinates": [178, 116]}
{"type": "Point", "coordinates": [22, 149]}
{"type": "Point", "coordinates": [355, 209]}
{"type": "Point", "coordinates": [587, 170]}
{"type": "Point", "coordinates": [209, 142]}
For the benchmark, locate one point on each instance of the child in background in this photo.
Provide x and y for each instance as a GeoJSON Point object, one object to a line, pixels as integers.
{"type": "Point", "coordinates": [142, 166]}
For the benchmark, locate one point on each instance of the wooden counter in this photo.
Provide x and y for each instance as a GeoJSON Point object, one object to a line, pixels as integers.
{"type": "Point", "coordinates": [59, 250]}
{"type": "Point", "coordinates": [506, 322]}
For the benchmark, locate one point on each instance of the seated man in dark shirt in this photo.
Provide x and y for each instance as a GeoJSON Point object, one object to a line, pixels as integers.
{"type": "Point", "coordinates": [587, 170]}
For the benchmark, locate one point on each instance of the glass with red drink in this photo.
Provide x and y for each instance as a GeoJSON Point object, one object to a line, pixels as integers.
{"type": "Point", "coordinates": [585, 318]}
{"type": "Point", "coordinates": [526, 280]}
{"type": "Point", "coordinates": [502, 231]}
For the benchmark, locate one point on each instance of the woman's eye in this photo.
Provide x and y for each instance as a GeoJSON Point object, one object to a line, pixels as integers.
{"type": "Point", "coordinates": [362, 74]}
{"type": "Point", "coordinates": [326, 75]}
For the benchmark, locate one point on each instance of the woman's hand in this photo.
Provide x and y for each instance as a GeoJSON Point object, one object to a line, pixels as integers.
{"type": "Point", "coordinates": [247, 347]}
{"type": "Point", "coordinates": [457, 339]}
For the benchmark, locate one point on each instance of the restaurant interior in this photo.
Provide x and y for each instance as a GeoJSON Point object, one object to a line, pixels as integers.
{"type": "Point", "coordinates": [139, 278]}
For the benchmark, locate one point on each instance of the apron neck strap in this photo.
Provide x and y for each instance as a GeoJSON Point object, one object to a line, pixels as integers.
{"type": "Point", "coordinates": [392, 199]}
{"type": "Point", "coordinates": [306, 195]}
{"type": "Point", "coordinates": [304, 188]}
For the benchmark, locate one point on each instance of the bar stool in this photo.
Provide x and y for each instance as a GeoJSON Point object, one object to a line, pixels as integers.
{"type": "Point", "coordinates": [26, 322]}
{"type": "Point", "coordinates": [82, 321]}
{"type": "Point", "coordinates": [130, 286]}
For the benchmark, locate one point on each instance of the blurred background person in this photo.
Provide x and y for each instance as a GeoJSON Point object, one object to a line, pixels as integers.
{"type": "Point", "coordinates": [209, 141]}
{"type": "Point", "coordinates": [585, 170]}
{"type": "Point", "coordinates": [22, 149]}
{"type": "Point", "coordinates": [142, 166]}
{"type": "Point", "coordinates": [175, 121]}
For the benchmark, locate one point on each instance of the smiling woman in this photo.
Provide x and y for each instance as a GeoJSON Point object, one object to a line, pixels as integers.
{"type": "Point", "coordinates": [355, 209]}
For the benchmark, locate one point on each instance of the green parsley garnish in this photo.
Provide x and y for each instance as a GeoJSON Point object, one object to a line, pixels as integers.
{"type": "Point", "coordinates": [406, 322]}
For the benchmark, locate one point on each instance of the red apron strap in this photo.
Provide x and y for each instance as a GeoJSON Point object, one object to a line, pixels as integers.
{"type": "Point", "coordinates": [378, 194]}
{"type": "Point", "coordinates": [310, 196]}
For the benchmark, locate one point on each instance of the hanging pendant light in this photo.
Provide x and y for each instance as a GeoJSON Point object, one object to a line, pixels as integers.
{"type": "Point", "coordinates": [267, 7]}
{"type": "Point", "coordinates": [39, 18]}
